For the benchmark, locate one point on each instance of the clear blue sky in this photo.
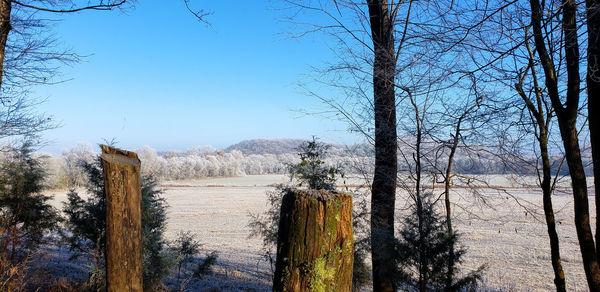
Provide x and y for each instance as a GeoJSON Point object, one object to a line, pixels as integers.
{"type": "Point", "coordinates": [156, 76]}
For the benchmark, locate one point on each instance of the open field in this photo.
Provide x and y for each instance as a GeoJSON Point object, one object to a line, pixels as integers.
{"type": "Point", "coordinates": [508, 235]}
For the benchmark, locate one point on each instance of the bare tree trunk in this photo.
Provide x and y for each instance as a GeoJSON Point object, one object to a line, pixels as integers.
{"type": "Point", "coordinates": [422, 283]}
{"type": "Point", "coordinates": [451, 259]}
{"type": "Point", "coordinates": [315, 244]}
{"type": "Point", "coordinates": [5, 28]}
{"type": "Point", "coordinates": [123, 220]}
{"type": "Point", "coordinates": [559, 275]}
{"type": "Point", "coordinates": [384, 181]}
{"type": "Point", "coordinates": [567, 118]}
{"type": "Point", "coordinates": [593, 89]}
{"type": "Point", "coordinates": [582, 217]}
{"type": "Point", "coordinates": [567, 122]}
{"type": "Point", "coordinates": [542, 118]}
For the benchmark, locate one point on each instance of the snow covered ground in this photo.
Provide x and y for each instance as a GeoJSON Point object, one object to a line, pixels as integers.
{"type": "Point", "coordinates": [503, 229]}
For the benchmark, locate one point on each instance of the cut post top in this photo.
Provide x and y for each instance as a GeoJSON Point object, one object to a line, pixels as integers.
{"type": "Point", "coordinates": [120, 157]}
{"type": "Point", "coordinates": [322, 195]}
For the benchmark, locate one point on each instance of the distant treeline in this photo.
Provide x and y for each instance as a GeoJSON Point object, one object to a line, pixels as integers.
{"type": "Point", "coordinates": [255, 157]}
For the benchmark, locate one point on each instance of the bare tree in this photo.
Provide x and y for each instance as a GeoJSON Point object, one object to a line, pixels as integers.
{"type": "Point", "coordinates": [382, 16]}
{"type": "Point", "coordinates": [498, 46]}
{"type": "Point", "coordinates": [593, 93]}
{"type": "Point", "coordinates": [29, 56]}
{"type": "Point", "coordinates": [448, 173]}
{"type": "Point", "coordinates": [408, 74]}
{"type": "Point", "coordinates": [372, 34]}
{"type": "Point", "coordinates": [505, 57]}
{"type": "Point", "coordinates": [567, 109]}
{"type": "Point", "coordinates": [541, 116]}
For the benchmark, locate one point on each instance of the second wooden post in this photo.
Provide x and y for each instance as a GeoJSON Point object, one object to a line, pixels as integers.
{"type": "Point", "coordinates": [314, 243]}
{"type": "Point", "coordinates": [123, 220]}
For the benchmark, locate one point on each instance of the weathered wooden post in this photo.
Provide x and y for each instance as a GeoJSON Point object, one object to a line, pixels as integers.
{"type": "Point", "coordinates": [314, 242]}
{"type": "Point", "coordinates": [123, 220]}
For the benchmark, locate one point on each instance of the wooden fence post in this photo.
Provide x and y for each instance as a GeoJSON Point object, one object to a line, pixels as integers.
{"type": "Point", "coordinates": [123, 220]}
{"type": "Point", "coordinates": [315, 247]}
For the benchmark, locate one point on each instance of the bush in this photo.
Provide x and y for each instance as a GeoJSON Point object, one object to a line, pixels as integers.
{"type": "Point", "coordinates": [423, 250]}
{"type": "Point", "coordinates": [26, 217]}
{"type": "Point", "coordinates": [312, 172]}
{"type": "Point", "coordinates": [265, 225]}
{"type": "Point", "coordinates": [86, 223]}
{"type": "Point", "coordinates": [189, 266]}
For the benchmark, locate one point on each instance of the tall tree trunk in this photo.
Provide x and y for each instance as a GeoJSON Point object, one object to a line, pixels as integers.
{"type": "Point", "coordinates": [423, 280]}
{"type": "Point", "coordinates": [567, 118]}
{"type": "Point", "coordinates": [384, 181]}
{"type": "Point", "coordinates": [5, 28]}
{"type": "Point", "coordinates": [593, 90]}
{"type": "Point", "coordinates": [567, 123]}
{"type": "Point", "coordinates": [451, 258]}
{"type": "Point", "coordinates": [559, 275]}
{"type": "Point", "coordinates": [580, 196]}
{"type": "Point", "coordinates": [542, 120]}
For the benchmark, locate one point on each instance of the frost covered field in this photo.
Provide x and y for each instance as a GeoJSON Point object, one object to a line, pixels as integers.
{"type": "Point", "coordinates": [511, 241]}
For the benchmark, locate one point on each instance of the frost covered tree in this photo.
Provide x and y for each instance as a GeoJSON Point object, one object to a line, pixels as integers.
{"type": "Point", "coordinates": [73, 169]}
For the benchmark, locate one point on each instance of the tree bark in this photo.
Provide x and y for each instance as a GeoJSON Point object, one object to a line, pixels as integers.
{"type": "Point", "coordinates": [541, 120]}
{"type": "Point", "coordinates": [593, 90]}
{"type": "Point", "coordinates": [314, 242]}
{"type": "Point", "coordinates": [123, 220]}
{"type": "Point", "coordinates": [5, 28]}
{"type": "Point", "coordinates": [559, 275]}
{"type": "Point", "coordinates": [581, 205]}
{"type": "Point", "coordinates": [447, 181]}
{"type": "Point", "coordinates": [567, 119]}
{"type": "Point", "coordinates": [384, 181]}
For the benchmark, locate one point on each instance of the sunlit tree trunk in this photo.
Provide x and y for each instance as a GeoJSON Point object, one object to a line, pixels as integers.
{"type": "Point", "coordinates": [384, 180]}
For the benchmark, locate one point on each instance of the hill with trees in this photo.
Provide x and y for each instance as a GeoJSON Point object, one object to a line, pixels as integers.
{"type": "Point", "coordinates": [265, 156]}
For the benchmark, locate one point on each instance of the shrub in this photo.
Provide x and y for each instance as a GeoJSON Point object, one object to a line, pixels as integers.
{"type": "Point", "coordinates": [361, 275]}
{"type": "Point", "coordinates": [423, 250]}
{"type": "Point", "coordinates": [26, 217]}
{"type": "Point", "coordinates": [86, 223]}
{"type": "Point", "coordinates": [265, 225]}
{"type": "Point", "coordinates": [312, 172]}
{"type": "Point", "coordinates": [189, 266]}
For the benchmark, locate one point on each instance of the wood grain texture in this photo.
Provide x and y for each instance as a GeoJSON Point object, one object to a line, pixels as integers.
{"type": "Point", "coordinates": [123, 219]}
{"type": "Point", "coordinates": [315, 242]}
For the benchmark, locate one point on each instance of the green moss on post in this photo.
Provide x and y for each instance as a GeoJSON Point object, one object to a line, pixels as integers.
{"type": "Point", "coordinates": [314, 242]}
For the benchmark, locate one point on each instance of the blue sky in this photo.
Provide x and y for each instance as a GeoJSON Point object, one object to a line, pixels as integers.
{"type": "Point", "coordinates": [156, 76]}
